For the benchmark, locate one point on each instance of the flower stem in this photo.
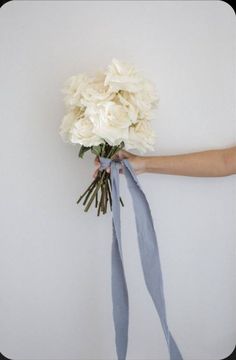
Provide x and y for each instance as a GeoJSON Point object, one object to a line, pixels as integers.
{"type": "Point", "coordinates": [106, 193]}
{"type": "Point", "coordinates": [81, 197]}
{"type": "Point", "coordinates": [89, 191]}
{"type": "Point", "coordinates": [109, 193]}
{"type": "Point", "coordinates": [98, 185]}
{"type": "Point", "coordinates": [99, 206]}
{"type": "Point", "coordinates": [96, 200]}
{"type": "Point", "coordinates": [121, 202]}
{"type": "Point", "coordinates": [103, 199]}
{"type": "Point", "coordinates": [101, 187]}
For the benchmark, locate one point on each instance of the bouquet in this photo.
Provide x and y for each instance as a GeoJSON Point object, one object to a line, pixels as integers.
{"type": "Point", "coordinates": [106, 112]}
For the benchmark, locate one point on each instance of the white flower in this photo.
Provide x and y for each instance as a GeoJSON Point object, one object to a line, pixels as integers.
{"type": "Point", "coordinates": [145, 100]}
{"type": "Point", "coordinates": [96, 92]}
{"type": "Point", "coordinates": [141, 137]}
{"type": "Point", "coordinates": [140, 103]}
{"type": "Point", "coordinates": [68, 121]}
{"type": "Point", "coordinates": [111, 122]}
{"type": "Point", "coordinates": [82, 133]}
{"type": "Point", "coordinates": [123, 98]}
{"type": "Point", "coordinates": [74, 88]}
{"type": "Point", "coordinates": [112, 106]}
{"type": "Point", "coordinates": [123, 76]}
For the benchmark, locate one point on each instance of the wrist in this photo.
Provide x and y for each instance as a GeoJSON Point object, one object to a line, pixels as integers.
{"type": "Point", "coordinates": [144, 164]}
{"type": "Point", "coordinates": [150, 164]}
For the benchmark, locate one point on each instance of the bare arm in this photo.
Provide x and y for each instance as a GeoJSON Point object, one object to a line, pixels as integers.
{"type": "Point", "coordinates": [205, 163]}
{"type": "Point", "coordinates": [208, 163]}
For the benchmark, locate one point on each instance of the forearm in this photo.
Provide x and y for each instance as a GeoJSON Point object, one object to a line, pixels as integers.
{"type": "Point", "coordinates": [204, 163]}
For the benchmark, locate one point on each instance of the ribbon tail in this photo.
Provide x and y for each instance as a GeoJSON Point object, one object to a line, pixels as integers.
{"type": "Point", "coordinates": [149, 254]}
{"type": "Point", "coordinates": [119, 287]}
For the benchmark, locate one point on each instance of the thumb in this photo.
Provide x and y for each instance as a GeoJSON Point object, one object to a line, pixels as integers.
{"type": "Point", "coordinates": [121, 154]}
{"type": "Point", "coordinates": [125, 154]}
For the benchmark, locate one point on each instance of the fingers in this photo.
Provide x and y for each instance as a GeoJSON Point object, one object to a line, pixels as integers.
{"type": "Point", "coordinates": [96, 161]}
{"type": "Point", "coordinates": [97, 165]}
{"type": "Point", "coordinates": [122, 154]}
{"type": "Point", "coordinates": [118, 155]}
{"type": "Point", "coordinates": [125, 154]}
{"type": "Point", "coordinates": [115, 156]}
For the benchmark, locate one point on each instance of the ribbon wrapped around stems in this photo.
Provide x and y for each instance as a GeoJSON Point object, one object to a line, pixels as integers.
{"type": "Point", "coordinates": [149, 254]}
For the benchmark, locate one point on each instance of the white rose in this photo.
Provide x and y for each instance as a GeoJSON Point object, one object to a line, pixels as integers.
{"type": "Point", "coordinates": [141, 137]}
{"type": "Point", "coordinates": [111, 122]}
{"type": "Point", "coordinates": [82, 133]}
{"type": "Point", "coordinates": [140, 103]}
{"type": "Point", "coordinates": [96, 92]}
{"type": "Point", "coordinates": [123, 76]}
{"type": "Point", "coordinates": [123, 98]}
{"type": "Point", "coordinates": [145, 100]}
{"type": "Point", "coordinates": [74, 88]}
{"type": "Point", "coordinates": [68, 121]}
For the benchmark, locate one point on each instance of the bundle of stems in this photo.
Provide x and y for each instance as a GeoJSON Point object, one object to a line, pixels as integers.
{"type": "Point", "coordinates": [99, 191]}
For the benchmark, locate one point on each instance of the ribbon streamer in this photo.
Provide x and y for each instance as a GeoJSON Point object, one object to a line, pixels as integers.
{"type": "Point", "coordinates": [149, 254]}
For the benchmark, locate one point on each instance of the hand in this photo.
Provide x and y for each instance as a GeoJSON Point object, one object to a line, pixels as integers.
{"type": "Point", "coordinates": [137, 162]}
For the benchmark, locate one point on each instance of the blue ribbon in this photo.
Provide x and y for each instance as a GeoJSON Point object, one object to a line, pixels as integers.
{"type": "Point", "coordinates": [149, 254]}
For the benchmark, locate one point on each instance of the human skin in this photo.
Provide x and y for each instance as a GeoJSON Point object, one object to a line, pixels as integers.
{"type": "Point", "coordinates": [209, 163]}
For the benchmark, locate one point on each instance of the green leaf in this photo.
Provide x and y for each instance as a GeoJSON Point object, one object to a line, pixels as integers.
{"type": "Point", "coordinates": [82, 150]}
{"type": "Point", "coordinates": [122, 145]}
{"type": "Point", "coordinates": [96, 150]}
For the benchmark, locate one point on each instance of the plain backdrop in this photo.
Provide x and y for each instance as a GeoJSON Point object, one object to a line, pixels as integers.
{"type": "Point", "coordinates": [55, 293]}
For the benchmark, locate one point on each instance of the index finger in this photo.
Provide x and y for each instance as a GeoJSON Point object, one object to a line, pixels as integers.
{"type": "Point", "coordinates": [96, 160]}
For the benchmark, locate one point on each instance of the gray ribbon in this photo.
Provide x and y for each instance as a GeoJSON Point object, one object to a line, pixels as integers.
{"type": "Point", "coordinates": [149, 254]}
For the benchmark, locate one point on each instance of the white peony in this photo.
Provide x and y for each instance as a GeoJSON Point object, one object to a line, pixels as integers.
{"type": "Point", "coordinates": [82, 133]}
{"type": "Point", "coordinates": [141, 137]}
{"type": "Point", "coordinates": [111, 122]}
{"type": "Point", "coordinates": [123, 76]}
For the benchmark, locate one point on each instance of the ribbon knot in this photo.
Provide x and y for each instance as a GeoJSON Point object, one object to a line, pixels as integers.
{"type": "Point", "coordinates": [105, 163]}
{"type": "Point", "coordinates": [149, 255]}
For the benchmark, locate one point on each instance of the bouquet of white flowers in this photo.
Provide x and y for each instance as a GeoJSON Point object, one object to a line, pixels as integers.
{"type": "Point", "coordinates": [108, 112]}
{"type": "Point", "coordinates": [105, 113]}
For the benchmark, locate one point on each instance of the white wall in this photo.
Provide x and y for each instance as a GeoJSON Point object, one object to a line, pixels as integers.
{"type": "Point", "coordinates": [55, 300]}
